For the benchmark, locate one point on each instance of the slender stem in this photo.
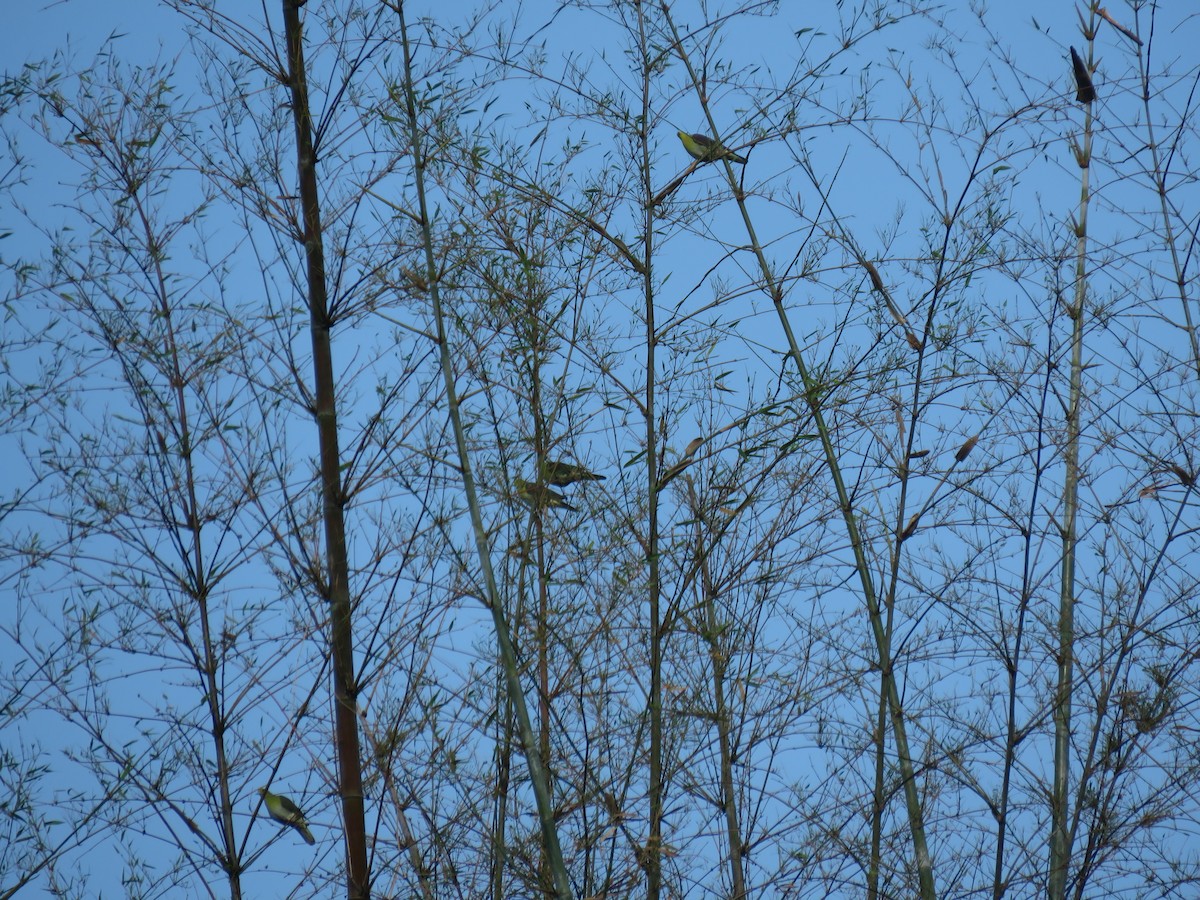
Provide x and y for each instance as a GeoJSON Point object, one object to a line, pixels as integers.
{"type": "Point", "coordinates": [1060, 832]}
{"type": "Point", "coordinates": [877, 798]}
{"type": "Point", "coordinates": [537, 771]}
{"type": "Point", "coordinates": [1013, 659]}
{"type": "Point", "coordinates": [813, 398]}
{"type": "Point", "coordinates": [1159, 174]}
{"type": "Point", "coordinates": [720, 665]}
{"type": "Point", "coordinates": [654, 844]}
{"type": "Point", "coordinates": [341, 640]}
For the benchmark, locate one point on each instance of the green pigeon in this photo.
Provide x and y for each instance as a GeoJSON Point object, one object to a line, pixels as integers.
{"type": "Point", "coordinates": [281, 809]}
{"type": "Point", "coordinates": [537, 496]}
{"type": "Point", "coordinates": [706, 149]}
{"type": "Point", "coordinates": [563, 473]}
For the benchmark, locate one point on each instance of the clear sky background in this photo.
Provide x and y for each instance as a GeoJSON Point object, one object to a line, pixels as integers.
{"type": "Point", "coordinates": [874, 202]}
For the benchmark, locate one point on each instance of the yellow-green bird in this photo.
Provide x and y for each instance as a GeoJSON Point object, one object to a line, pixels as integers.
{"type": "Point", "coordinates": [539, 496]}
{"type": "Point", "coordinates": [562, 473]}
{"type": "Point", "coordinates": [706, 149]}
{"type": "Point", "coordinates": [281, 809]}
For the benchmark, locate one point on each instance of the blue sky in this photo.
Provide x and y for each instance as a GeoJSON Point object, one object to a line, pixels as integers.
{"type": "Point", "coordinates": [884, 209]}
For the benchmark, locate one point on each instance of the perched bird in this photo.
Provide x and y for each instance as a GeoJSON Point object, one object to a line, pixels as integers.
{"type": "Point", "coordinates": [1085, 91]}
{"type": "Point", "coordinates": [706, 149]}
{"type": "Point", "coordinates": [564, 473]}
{"type": "Point", "coordinates": [686, 460]}
{"type": "Point", "coordinates": [539, 496]}
{"type": "Point", "coordinates": [281, 809]}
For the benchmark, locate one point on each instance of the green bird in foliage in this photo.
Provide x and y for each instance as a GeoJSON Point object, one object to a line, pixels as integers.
{"type": "Point", "coordinates": [539, 496]}
{"type": "Point", "coordinates": [281, 809]}
{"type": "Point", "coordinates": [564, 473]}
{"type": "Point", "coordinates": [706, 149]}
